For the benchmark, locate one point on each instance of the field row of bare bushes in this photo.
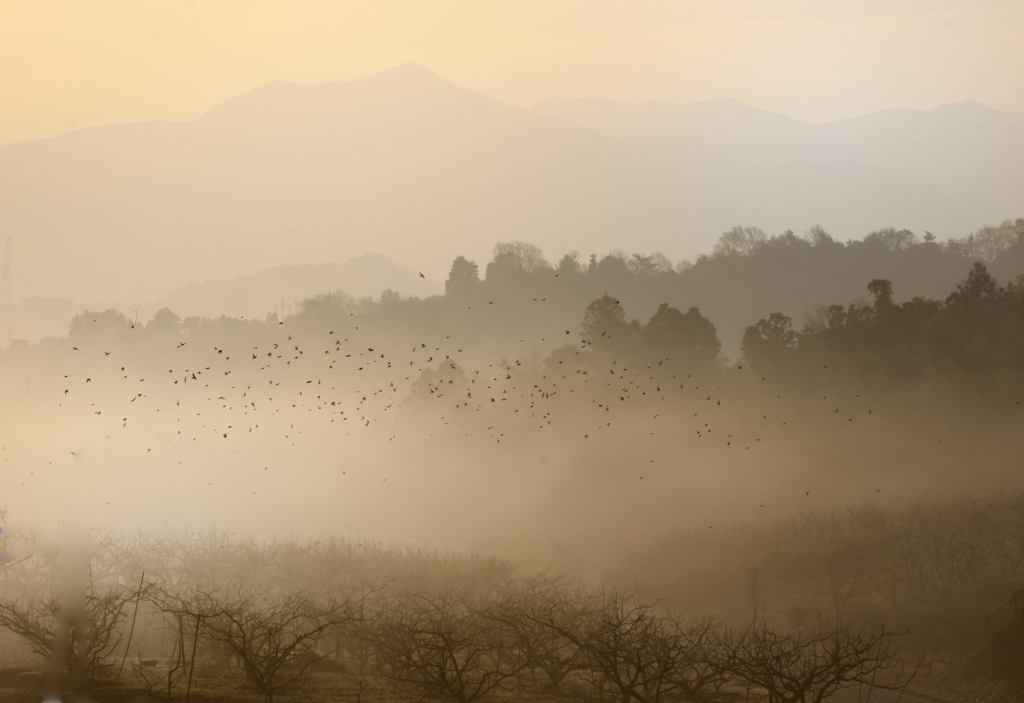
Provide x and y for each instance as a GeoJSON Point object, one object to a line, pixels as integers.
{"type": "Point", "coordinates": [192, 617]}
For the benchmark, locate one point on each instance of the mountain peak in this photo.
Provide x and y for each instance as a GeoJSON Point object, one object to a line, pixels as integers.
{"type": "Point", "coordinates": [408, 78]}
{"type": "Point", "coordinates": [409, 68]}
{"type": "Point", "coordinates": [410, 75]}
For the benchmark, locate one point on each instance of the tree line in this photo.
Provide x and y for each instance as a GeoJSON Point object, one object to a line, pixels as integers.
{"type": "Point", "coordinates": [748, 273]}
{"type": "Point", "coordinates": [977, 331]}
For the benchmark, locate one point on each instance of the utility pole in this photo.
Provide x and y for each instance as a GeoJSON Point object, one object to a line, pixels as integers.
{"type": "Point", "coordinates": [755, 574]}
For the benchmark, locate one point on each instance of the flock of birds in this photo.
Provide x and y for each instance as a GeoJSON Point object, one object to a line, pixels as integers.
{"type": "Point", "coordinates": [231, 392]}
{"type": "Point", "coordinates": [273, 379]}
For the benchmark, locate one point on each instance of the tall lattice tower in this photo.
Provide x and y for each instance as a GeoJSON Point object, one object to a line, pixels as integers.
{"type": "Point", "coordinates": [6, 295]}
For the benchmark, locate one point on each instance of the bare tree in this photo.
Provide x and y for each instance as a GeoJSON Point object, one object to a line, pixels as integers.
{"type": "Point", "coordinates": [633, 652]}
{"type": "Point", "coordinates": [444, 646]}
{"type": "Point", "coordinates": [35, 619]}
{"type": "Point", "coordinates": [703, 667]}
{"type": "Point", "coordinates": [525, 609]}
{"type": "Point", "coordinates": [809, 666]}
{"type": "Point", "coordinates": [277, 638]}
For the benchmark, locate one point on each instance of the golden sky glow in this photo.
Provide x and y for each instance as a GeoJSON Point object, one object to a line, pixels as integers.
{"type": "Point", "coordinates": [67, 64]}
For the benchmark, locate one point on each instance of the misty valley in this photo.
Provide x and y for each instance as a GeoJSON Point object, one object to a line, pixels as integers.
{"type": "Point", "coordinates": [788, 470]}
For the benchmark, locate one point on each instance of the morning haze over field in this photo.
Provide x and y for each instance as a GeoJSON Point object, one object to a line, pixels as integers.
{"type": "Point", "coordinates": [487, 353]}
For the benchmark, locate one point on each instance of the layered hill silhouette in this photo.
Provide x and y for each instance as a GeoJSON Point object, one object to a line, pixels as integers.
{"type": "Point", "coordinates": [966, 149]}
{"type": "Point", "coordinates": [286, 285]}
{"type": "Point", "coordinates": [273, 290]}
{"type": "Point", "coordinates": [407, 164]}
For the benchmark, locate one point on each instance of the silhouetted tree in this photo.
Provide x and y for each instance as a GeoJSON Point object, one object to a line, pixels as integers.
{"type": "Point", "coordinates": [322, 308]}
{"type": "Point", "coordinates": [569, 265]}
{"type": "Point", "coordinates": [463, 279]}
{"type": "Point", "coordinates": [635, 653]}
{"type": "Point", "coordinates": [740, 241]}
{"type": "Point", "coordinates": [690, 335]}
{"type": "Point", "coordinates": [769, 342]}
{"type": "Point", "coordinates": [604, 325]}
{"type": "Point", "coordinates": [882, 290]}
{"type": "Point", "coordinates": [164, 322]}
{"type": "Point", "coordinates": [990, 243]}
{"type": "Point", "coordinates": [643, 265]}
{"type": "Point", "coordinates": [277, 638]}
{"type": "Point", "coordinates": [35, 620]}
{"type": "Point", "coordinates": [777, 331]}
{"type": "Point", "coordinates": [818, 237]}
{"type": "Point", "coordinates": [96, 326]}
{"type": "Point", "coordinates": [525, 608]}
{"type": "Point", "coordinates": [892, 239]}
{"type": "Point", "coordinates": [516, 257]}
{"type": "Point", "coordinates": [445, 646]}
{"type": "Point", "coordinates": [979, 289]}
{"type": "Point", "coordinates": [808, 666]}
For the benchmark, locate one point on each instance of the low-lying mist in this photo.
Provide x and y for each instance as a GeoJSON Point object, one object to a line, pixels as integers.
{"type": "Point", "coordinates": [557, 461]}
{"type": "Point", "coordinates": [517, 463]}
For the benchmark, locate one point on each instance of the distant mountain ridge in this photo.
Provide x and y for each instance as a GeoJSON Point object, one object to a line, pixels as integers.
{"type": "Point", "coordinates": [407, 164]}
{"type": "Point", "coordinates": [265, 292]}
{"type": "Point", "coordinates": [947, 147]}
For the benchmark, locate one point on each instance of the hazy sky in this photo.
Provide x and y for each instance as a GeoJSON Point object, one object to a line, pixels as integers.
{"type": "Point", "coordinates": [66, 64]}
